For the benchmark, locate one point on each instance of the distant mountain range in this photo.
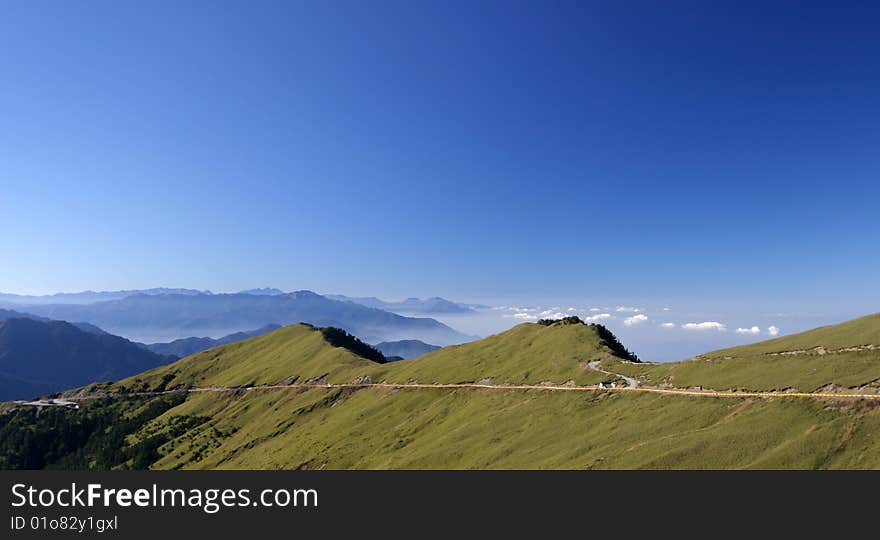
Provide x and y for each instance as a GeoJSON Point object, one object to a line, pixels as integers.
{"type": "Point", "coordinates": [435, 305]}
{"type": "Point", "coordinates": [409, 306]}
{"type": "Point", "coordinates": [10, 314]}
{"type": "Point", "coordinates": [266, 291]}
{"type": "Point", "coordinates": [89, 297]}
{"type": "Point", "coordinates": [183, 315]}
{"type": "Point", "coordinates": [187, 346]}
{"type": "Point", "coordinates": [38, 357]}
{"type": "Point", "coordinates": [405, 348]}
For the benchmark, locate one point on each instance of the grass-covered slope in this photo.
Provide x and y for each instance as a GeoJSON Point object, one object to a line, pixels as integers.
{"type": "Point", "coordinates": [431, 428]}
{"type": "Point", "coordinates": [299, 352]}
{"type": "Point", "coordinates": [486, 429]}
{"type": "Point", "coordinates": [528, 353]}
{"type": "Point", "coordinates": [443, 429]}
{"type": "Point", "coordinates": [842, 355]}
{"type": "Point", "coordinates": [854, 333]}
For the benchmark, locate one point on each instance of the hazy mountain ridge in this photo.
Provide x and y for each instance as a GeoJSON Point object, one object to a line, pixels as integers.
{"type": "Point", "coordinates": [225, 313]}
{"type": "Point", "coordinates": [187, 346]}
{"type": "Point", "coordinates": [38, 357]}
{"type": "Point", "coordinates": [85, 327]}
{"type": "Point", "coordinates": [434, 305]}
{"type": "Point", "coordinates": [89, 297]}
{"type": "Point", "coordinates": [267, 291]}
{"type": "Point", "coordinates": [405, 348]}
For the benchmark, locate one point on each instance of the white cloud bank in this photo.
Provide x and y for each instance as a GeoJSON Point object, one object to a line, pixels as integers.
{"type": "Point", "coordinates": [635, 319]}
{"type": "Point", "coordinates": [628, 309]}
{"type": "Point", "coordinates": [707, 325]}
{"type": "Point", "coordinates": [599, 317]}
{"type": "Point", "coordinates": [668, 325]}
{"type": "Point", "coordinates": [754, 331]}
{"type": "Point", "coordinates": [533, 314]}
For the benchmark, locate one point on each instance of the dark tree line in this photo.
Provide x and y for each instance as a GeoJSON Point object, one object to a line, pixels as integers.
{"type": "Point", "coordinates": [564, 320]}
{"type": "Point", "coordinates": [340, 338]}
{"type": "Point", "coordinates": [93, 437]}
{"type": "Point", "coordinates": [614, 344]}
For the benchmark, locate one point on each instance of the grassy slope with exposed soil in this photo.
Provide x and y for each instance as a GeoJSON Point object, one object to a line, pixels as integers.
{"type": "Point", "coordinates": [459, 428]}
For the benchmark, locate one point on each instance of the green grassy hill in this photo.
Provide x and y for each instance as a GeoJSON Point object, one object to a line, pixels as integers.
{"type": "Point", "coordinates": [529, 353]}
{"type": "Point", "coordinates": [526, 354]}
{"type": "Point", "coordinates": [417, 428]}
{"type": "Point", "coordinates": [861, 331]}
{"type": "Point", "coordinates": [296, 353]}
{"type": "Point", "coordinates": [840, 355]}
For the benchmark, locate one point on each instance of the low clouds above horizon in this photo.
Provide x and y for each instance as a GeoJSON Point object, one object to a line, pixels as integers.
{"type": "Point", "coordinates": [528, 314]}
{"type": "Point", "coordinates": [753, 330]}
{"type": "Point", "coordinates": [631, 317]}
{"type": "Point", "coordinates": [635, 319]}
{"type": "Point", "coordinates": [756, 331]}
{"type": "Point", "coordinates": [707, 325]}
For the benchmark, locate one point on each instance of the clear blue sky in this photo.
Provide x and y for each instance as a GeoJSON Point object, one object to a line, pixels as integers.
{"type": "Point", "coordinates": [476, 150]}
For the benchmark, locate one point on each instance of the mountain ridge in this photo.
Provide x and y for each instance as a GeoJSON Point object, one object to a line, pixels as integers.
{"type": "Point", "coordinates": [405, 348]}
{"type": "Point", "coordinates": [226, 313]}
{"type": "Point", "coordinates": [429, 306]}
{"type": "Point", "coordinates": [89, 297]}
{"type": "Point", "coordinates": [38, 357]}
{"type": "Point", "coordinates": [186, 346]}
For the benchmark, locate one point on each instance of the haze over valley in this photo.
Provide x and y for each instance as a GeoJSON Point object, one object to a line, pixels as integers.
{"type": "Point", "coordinates": [660, 330]}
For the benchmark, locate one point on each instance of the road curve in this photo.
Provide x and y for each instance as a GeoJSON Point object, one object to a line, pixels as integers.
{"type": "Point", "coordinates": [630, 382]}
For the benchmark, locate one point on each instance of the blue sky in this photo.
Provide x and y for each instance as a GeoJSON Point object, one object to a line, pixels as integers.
{"type": "Point", "coordinates": [708, 153]}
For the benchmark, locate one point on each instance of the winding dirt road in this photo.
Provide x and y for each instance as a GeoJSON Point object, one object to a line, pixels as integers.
{"type": "Point", "coordinates": [633, 386]}
{"type": "Point", "coordinates": [630, 382]}
{"type": "Point", "coordinates": [494, 387]}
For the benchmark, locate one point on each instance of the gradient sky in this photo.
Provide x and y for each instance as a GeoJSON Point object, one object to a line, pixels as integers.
{"type": "Point", "coordinates": [677, 151]}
